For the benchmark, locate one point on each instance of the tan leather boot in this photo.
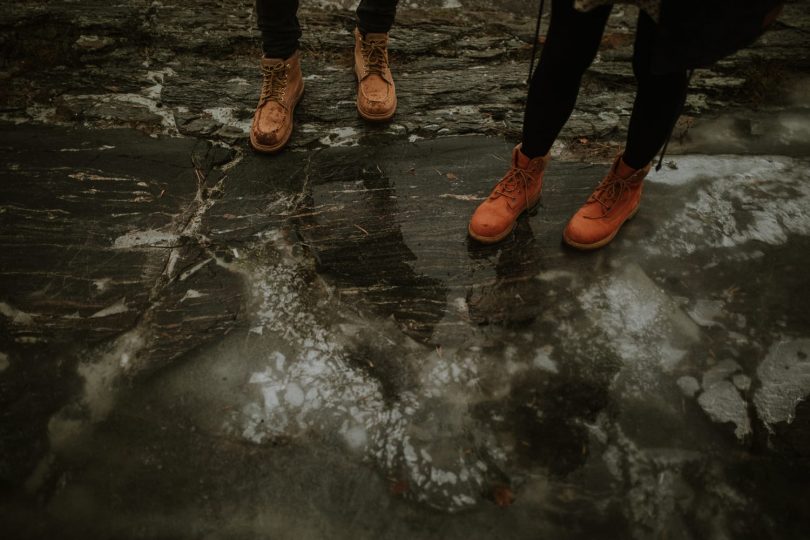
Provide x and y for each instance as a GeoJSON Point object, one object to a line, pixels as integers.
{"type": "Point", "coordinates": [282, 88]}
{"type": "Point", "coordinates": [376, 94]}
{"type": "Point", "coordinates": [516, 192]}
{"type": "Point", "coordinates": [614, 201]}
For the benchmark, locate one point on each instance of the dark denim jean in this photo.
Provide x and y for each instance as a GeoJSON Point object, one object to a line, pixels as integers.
{"type": "Point", "coordinates": [278, 23]}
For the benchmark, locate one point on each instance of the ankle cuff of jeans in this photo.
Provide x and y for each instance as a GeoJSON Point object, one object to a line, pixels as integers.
{"type": "Point", "coordinates": [274, 51]}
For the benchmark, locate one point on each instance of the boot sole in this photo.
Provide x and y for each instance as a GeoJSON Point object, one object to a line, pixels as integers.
{"type": "Point", "coordinates": [601, 243]}
{"type": "Point", "coordinates": [504, 234]}
{"type": "Point", "coordinates": [275, 148]}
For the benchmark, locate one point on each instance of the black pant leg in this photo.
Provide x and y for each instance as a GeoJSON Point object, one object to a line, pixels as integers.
{"type": "Point", "coordinates": [376, 15]}
{"type": "Point", "coordinates": [659, 100]}
{"type": "Point", "coordinates": [571, 45]}
{"type": "Point", "coordinates": [278, 22]}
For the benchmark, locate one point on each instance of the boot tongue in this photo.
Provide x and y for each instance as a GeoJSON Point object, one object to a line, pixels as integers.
{"type": "Point", "coordinates": [622, 169]}
{"type": "Point", "coordinates": [270, 62]}
{"type": "Point", "coordinates": [519, 159]}
{"type": "Point", "coordinates": [379, 36]}
{"type": "Point", "coordinates": [625, 171]}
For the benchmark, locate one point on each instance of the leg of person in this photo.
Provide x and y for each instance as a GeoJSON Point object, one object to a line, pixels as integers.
{"type": "Point", "coordinates": [282, 82]}
{"type": "Point", "coordinates": [571, 44]}
{"type": "Point", "coordinates": [376, 16]}
{"type": "Point", "coordinates": [376, 93]}
{"type": "Point", "coordinates": [659, 101]}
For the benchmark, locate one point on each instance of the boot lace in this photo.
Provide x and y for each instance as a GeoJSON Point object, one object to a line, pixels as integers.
{"type": "Point", "coordinates": [374, 56]}
{"type": "Point", "coordinates": [511, 184]}
{"type": "Point", "coordinates": [274, 84]}
{"type": "Point", "coordinates": [610, 191]}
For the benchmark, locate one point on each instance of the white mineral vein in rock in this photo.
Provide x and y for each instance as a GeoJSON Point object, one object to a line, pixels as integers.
{"type": "Point", "coordinates": [119, 307]}
{"type": "Point", "coordinates": [16, 316]}
{"type": "Point", "coordinates": [340, 136]}
{"type": "Point", "coordinates": [150, 238]}
{"type": "Point", "coordinates": [228, 116]}
{"type": "Point", "coordinates": [191, 294]}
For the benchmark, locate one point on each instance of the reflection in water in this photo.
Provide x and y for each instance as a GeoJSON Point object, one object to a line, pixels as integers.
{"type": "Point", "coordinates": [514, 295]}
{"type": "Point", "coordinates": [350, 225]}
{"type": "Point", "coordinates": [597, 388]}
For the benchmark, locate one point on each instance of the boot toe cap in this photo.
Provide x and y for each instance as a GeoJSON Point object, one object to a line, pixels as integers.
{"type": "Point", "coordinates": [376, 108]}
{"type": "Point", "coordinates": [266, 137]}
{"type": "Point", "coordinates": [488, 226]}
{"type": "Point", "coordinates": [582, 233]}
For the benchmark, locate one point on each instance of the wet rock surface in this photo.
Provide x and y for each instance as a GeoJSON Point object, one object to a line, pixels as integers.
{"type": "Point", "coordinates": [191, 68]}
{"type": "Point", "coordinates": [198, 341]}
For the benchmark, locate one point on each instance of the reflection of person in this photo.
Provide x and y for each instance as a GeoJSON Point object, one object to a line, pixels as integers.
{"type": "Point", "coordinates": [356, 239]}
{"type": "Point", "coordinates": [672, 37]}
{"type": "Point", "coordinates": [283, 83]}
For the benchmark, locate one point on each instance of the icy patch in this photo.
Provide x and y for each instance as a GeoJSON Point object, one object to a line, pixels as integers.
{"type": "Point", "coordinates": [722, 215]}
{"type": "Point", "coordinates": [741, 381]}
{"type": "Point", "coordinates": [101, 377]}
{"type": "Point", "coordinates": [693, 168]}
{"type": "Point", "coordinates": [721, 371]}
{"type": "Point", "coordinates": [641, 323]}
{"type": "Point", "coordinates": [706, 312]}
{"type": "Point", "coordinates": [422, 439]}
{"type": "Point", "coordinates": [723, 403]}
{"type": "Point", "coordinates": [655, 482]}
{"type": "Point", "coordinates": [785, 378]}
{"type": "Point", "coordinates": [689, 386]}
{"type": "Point", "coordinates": [150, 238]}
{"type": "Point", "coordinates": [721, 399]}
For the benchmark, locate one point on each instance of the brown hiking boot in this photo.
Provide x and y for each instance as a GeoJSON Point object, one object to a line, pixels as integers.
{"type": "Point", "coordinates": [282, 88]}
{"type": "Point", "coordinates": [517, 191]}
{"type": "Point", "coordinates": [614, 201]}
{"type": "Point", "coordinates": [376, 94]}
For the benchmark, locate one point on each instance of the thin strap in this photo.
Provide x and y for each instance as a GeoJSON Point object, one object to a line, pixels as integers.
{"type": "Point", "coordinates": [536, 40]}
{"type": "Point", "coordinates": [666, 143]}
